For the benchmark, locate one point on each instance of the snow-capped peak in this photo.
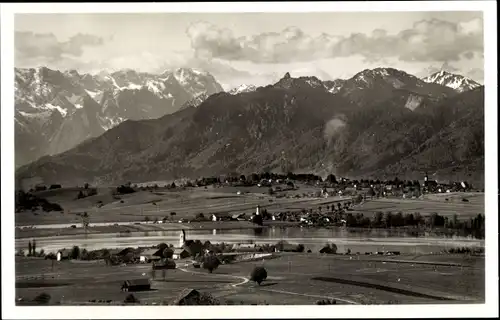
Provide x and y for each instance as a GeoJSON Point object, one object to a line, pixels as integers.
{"type": "Point", "coordinates": [451, 80]}
{"type": "Point", "coordinates": [242, 88]}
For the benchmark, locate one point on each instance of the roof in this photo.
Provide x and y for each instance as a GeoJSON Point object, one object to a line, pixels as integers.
{"type": "Point", "coordinates": [186, 294]}
{"type": "Point", "coordinates": [138, 282]}
{"type": "Point", "coordinates": [179, 250]}
{"type": "Point", "coordinates": [64, 252]}
{"type": "Point", "coordinates": [149, 252]}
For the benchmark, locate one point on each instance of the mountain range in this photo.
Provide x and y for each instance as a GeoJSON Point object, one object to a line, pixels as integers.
{"type": "Point", "coordinates": [379, 123]}
{"type": "Point", "coordinates": [55, 111]}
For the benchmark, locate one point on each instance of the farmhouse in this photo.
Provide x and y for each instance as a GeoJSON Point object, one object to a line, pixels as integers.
{"type": "Point", "coordinates": [62, 255]}
{"type": "Point", "coordinates": [142, 284]}
{"type": "Point", "coordinates": [187, 297]}
{"type": "Point", "coordinates": [180, 253]}
{"type": "Point", "coordinates": [150, 255]}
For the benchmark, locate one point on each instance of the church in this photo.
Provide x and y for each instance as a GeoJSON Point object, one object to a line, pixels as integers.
{"type": "Point", "coordinates": [187, 248]}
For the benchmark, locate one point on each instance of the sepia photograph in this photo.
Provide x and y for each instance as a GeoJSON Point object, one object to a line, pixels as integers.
{"type": "Point", "coordinates": [255, 159]}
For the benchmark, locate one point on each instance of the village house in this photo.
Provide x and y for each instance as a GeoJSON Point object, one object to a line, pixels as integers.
{"type": "Point", "coordinates": [150, 255]}
{"type": "Point", "coordinates": [62, 255]}
{"type": "Point", "coordinates": [180, 253]}
{"type": "Point", "coordinates": [238, 217]}
{"type": "Point", "coordinates": [142, 284]}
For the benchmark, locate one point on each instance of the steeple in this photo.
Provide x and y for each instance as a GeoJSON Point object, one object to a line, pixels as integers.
{"type": "Point", "coordinates": [182, 238]}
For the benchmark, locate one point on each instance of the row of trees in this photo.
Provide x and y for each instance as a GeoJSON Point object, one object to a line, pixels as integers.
{"type": "Point", "coordinates": [474, 226]}
{"type": "Point", "coordinates": [27, 201]}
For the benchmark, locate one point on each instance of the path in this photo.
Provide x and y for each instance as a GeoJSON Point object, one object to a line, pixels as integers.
{"type": "Point", "coordinates": [311, 295]}
{"type": "Point", "coordinates": [245, 280]}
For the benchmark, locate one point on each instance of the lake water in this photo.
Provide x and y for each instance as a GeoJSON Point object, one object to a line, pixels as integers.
{"type": "Point", "coordinates": [358, 241]}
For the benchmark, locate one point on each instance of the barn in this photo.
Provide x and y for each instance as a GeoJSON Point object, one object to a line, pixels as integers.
{"type": "Point", "coordinates": [142, 284]}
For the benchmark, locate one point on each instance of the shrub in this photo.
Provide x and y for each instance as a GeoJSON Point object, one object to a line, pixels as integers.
{"type": "Point", "coordinates": [258, 275]}
{"type": "Point", "coordinates": [75, 252]}
{"type": "Point", "coordinates": [168, 253]}
{"type": "Point", "coordinates": [43, 298]}
{"type": "Point", "coordinates": [329, 248]}
{"type": "Point", "coordinates": [124, 189]}
{"type": "Point", "coordinates": [162, 246]}
{"type": "Point", "coordinates": [257, 219]}
{"type": "Point", "coordinates": [51, 256]}
{"type": "Point", "coordinates": [131, 299]}
{"type": "Point", "coordinates": [211, 263]}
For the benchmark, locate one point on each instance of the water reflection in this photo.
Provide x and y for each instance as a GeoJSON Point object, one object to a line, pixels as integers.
{"type": "Point", "coordinates": [314, 239]}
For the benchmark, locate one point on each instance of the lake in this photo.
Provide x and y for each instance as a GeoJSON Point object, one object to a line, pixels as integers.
{"type": "Point", "coordinates": [312, 238]}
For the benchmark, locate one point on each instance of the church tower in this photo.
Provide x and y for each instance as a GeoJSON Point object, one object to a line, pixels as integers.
{"type": "Point", "coordinates": [182, 238]}
{"type": "Point", "coordinates": [257, 211]}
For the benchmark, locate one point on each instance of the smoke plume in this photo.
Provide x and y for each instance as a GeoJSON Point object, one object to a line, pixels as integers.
{"type": "Point", "coordinates": [333, 127]}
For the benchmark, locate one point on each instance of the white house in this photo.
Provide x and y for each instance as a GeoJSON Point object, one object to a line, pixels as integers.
{"type": "Point", "coordinates": [213, 217]}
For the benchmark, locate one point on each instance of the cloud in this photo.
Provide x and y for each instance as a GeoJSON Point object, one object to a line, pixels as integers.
{"type": "Point", "coordinates": [46, 47]}
{"type": "Point", "coordinates": [476, 74]}
{"type": "Point", "coordinates": [427, 40]}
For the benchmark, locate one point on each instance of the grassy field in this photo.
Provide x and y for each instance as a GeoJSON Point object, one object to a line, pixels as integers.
{"type": "Point", "coordinates": [189, 202]}
{"type": "Point", "coordinates": [429, 204]}
{"type": "Point", "coordinates": [292, 279]}
{"type": "Point", "coordinates": [159, 204]}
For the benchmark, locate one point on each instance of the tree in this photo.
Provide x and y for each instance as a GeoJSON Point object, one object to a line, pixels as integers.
{"type": "Point", "coordinates": [86, 185]}
{"type": "Point", "coordinates": [173, 186]}
{"type": "Point", "coordinates": [211, 263]}
{"type": "Point", "coordinates": [388, 219]}
{"type": "Point", "coordinates": [75, 252]}
{"type": "Point", "coordinates": [43, 298]}
{"type": "Point", "coordinates": [257, 219]}
{"type": "Point", "coordinates": [162, 246]}
{"type": "Point", "coordinates": [379, 219]}
{"type": "Point", "coordinates": [29, 248]}
{"type": "Point", "coordinates": [34, 247]}
{"type": "Point", "coordinates": [172, 214]}
{"type": "Point", "coordinates": [168, 253]}
{"type": "Point", "coordinates": [258, 275]}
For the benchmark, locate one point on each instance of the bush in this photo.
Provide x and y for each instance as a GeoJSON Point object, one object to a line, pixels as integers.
{"type": "Point", "coordinates": [330, 248]}
{"type": "Point", "coordinates": [51, 256]}
{"type": "Point", "coordinates": [75, 252]}
{"type": "Point", "coordinates": [124, 189]}
{"type": "Point", "coordinates": [211, 263]}
{"type": "Point", "coordinates": [258, 275]}
{"type": "Point", "coordinates": [131, 299]}
{"type": "Point", "coordinates": [43, 298]}
{"type": "Point", "coordinates": [168, 253]}
{"type": "Point", "coordinates": [257, 219]}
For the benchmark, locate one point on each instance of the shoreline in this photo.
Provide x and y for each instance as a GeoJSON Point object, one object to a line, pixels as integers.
{"type": "Point", "coordinates": [22, 234]}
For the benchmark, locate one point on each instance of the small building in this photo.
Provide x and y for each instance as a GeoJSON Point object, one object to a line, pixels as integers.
{"type": "Point", "coordinates": [62, 255]}
{"type": "Point", "coordinates": [180, 253]}
{"type": "Point", "coordinates": [238, 217]}
{"type": "Point", "coordinates": [142, 284]}
{"type": "Point", "coordinates": [187, 297]}
{"type": "Point", "coordinates": [150, 255]}
{"type": "Point", "coordinates": [213, 217]}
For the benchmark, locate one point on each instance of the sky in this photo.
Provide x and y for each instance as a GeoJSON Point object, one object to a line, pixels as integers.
{"type": "Point", "coordinates": [254, 48]}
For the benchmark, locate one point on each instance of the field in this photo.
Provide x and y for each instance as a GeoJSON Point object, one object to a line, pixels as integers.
{"type": "Point", "coordinates": [444, 204]}
{"type": "Point", "coordinates": [187, 203]}
{"type": "Point", "coordinates": [159, 204]}
{"type": "Point", "coordinates": [292, 279]}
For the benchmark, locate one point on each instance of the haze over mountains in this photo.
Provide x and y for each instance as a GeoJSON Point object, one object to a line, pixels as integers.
{"type": "Point", "coordinates": [381, 122]}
